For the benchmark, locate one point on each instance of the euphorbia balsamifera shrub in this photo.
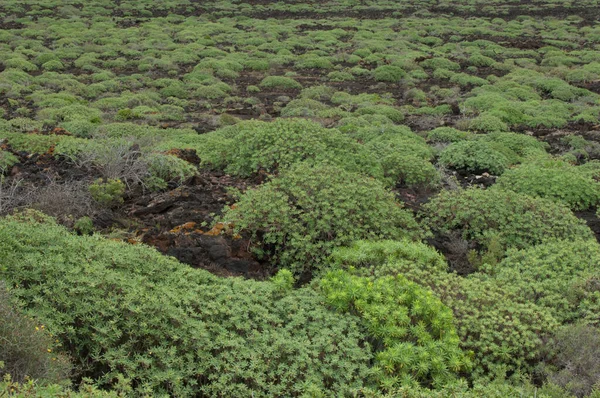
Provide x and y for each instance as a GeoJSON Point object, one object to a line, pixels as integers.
{"type": "Point", "coordinates": [552, 275]}
{"type": "Point", "coordinates": [505, 334]}
{"type": "Point", "coordinates": [129, 315]}
{"type": "Point", "coordinates": [474, 156]}
{"type": "Point", "coordinates": [574, 186]}
{"type": "Point", "coordinates": [299, 217]}
{"type": "Point", "coordinates": [250, 147]}
{"type": "Point", "coordinates": [515, 219]}
{"type": "Point", "coordinates": [413, 331]}
{"type": "Point", "coordinates": [404, 156]}
{"type": "Point", "coordinates": [448, 135]}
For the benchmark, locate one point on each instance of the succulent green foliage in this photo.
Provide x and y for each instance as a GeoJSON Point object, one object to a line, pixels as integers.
{"type": "Point", "coordinates": [280, 82]}
{"type": "Point", "coordinates": [133, 316]}
{"type": "Point", "coordinates": [32, 143]}
{"type": "Point", "coordinates": [412, 330]}
{"type": "Point", "coordinates": [394, 114]}
{"type": "Point", "coordinates": [516, 219]}
{"type": "Point", "coordinates": [167, 168]}
{"type": "Point", "coordinates": [410, 170]}
{"type": "Point", "coordinates": [574, 186]}
{"type": "Point", "coordinates": [107, 192]}
{"type": "Point", "coordinates": [487, 123]}
{"type": "Point", "coordinates": [553, 275]}
{"type": "Point", "coordinates": [474, 156]}
{"type": "Point", "coordinates": [492, 152]}
{"type": "Point", "coordinates": [448, 135]}
{"type": "Point", "coordinates": [389, 73]}
{"type": "Point", "coordinates": [7, 160]}
{"type": "Point", "coordinates": [504, 333]}
{"type": "Point", "coordinates": [250, 147]}
{"type": "Point", "coordinates": [300, 216]}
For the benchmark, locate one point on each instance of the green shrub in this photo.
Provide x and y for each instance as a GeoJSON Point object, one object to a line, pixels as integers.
{"type": "Point", "coordinates": [84, 225]}
{"type": "Point", "coordinates": [133, 316]}
{"type": "Point", "coordinates": [448, 135]}
{"type": "Point", "coordinates": [397, 141]}
{"type": "Point", "coordinates": [394, 114]}
{"type": "Point", "coordinates": [556, 180]}
{"type": "Point", "coordinates": [7, 160]}
{"type": "Point", "coordinates": [389, 73]}
{"type": "Point", "coordinates": [516, 147]}
{"type": "Point", "coordinates": [504, 334]}
{"type": "Point", "coordinates": [20, 63]}
{"type": "Point", "coordinates": [440, 63]}
{"type": "Point", "coordinates": [280, 82]}
{"type": "Point", "coordinates": [250, 147]}
{"type": "Point", "coordinates": [487, 123]}
{"type": "Point", "coordinates": [465, 80]}
{"type": "Point", "coordinates": [552, 275]}
{"type": "Point", "coordinates": [410, 170]}
{"type": "Point", "coordinates": [32, 143]}
{"type": "Point", "coordinates": [31, 388]}
{"type": "Point", "coordinates": [299, 217]}
{"type": "Point", "coordinates": [313, 61]}
{"type": "Point", "coordinates": [474, 156]}
{"type": "Point", "coordinates": [53, 65]}
{"type": "Point", "coordinates": [517, 220]}
{"type": "Point", "coordinates": [340, 76]}
{"type": "Point", "coordinates": [107, 192]}
{"type": "Point", "coordinates": [303, 107]}
{"type": "Point", "coordinates": [167, 168]}
{"type": "Point", "coordinates": [413, 330]}
{"type": "Point", "coordinates": [80, 128]}
{"type": "Point", "coordinates": [27, 349]}
{"type": "Point", "coordinates": [481, 60]}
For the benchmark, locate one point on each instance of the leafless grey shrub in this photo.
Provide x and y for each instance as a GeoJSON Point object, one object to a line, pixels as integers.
{"type": "Point", "coordinates": [10, 197]}
{"type": "Point", "coordinates": [67, 200]}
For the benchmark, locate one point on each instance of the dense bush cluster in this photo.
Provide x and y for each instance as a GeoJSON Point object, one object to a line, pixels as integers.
{"type": "Point", "coordinates": [129, 315]}
{"type": "Point", "coordinates": [297, 218]}
{"type": "Point", "coordinates": [517, 220]}
{"type": "Point", "coordinates": [407, 180]}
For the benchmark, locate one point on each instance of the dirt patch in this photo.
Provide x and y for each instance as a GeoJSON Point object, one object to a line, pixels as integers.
{"type": "Point", "coordinates": [178, 223]}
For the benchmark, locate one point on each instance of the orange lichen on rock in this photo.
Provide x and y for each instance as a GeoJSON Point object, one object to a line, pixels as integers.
{"type": "Point", "coordinates": [220, 227]}
{"type": "Point", "coordinates": [188, 226]}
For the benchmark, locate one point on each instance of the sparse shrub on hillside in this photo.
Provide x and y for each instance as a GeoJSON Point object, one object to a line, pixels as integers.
{"type": "Point", "coordinates": [164, 169]}
{"type": "Point", "coordinates": [299, 217]}
{"type": "Point", "coordinates": [518, 220]}
{"type": "Point", "coordinates": [137, 319]}
{"type": "Point", "coordinates": [448, 135]}
{"type": "Point", "coordinates": [413, 331]}
{"type": "Point", "coordinates": [410, 170]}
{"type": "Point", "coordinates": [388, 73]}
{"type": "Point", "coordinates": [107, 192]}
{"type": "Point", "coordinates": [280, 82]}
{"type": "Point", "coordinates": [556, 180]}
{"type": "Point", "coordinates": [487, 123]}
{"type": "Point", "coordinates": [503, 334]}
{"type": "Point", "coordinates": [394, 114]}
{"type": "Point", "coordinates": [251, 147]}
{"type": "Point", "coordinates": [474, 156]}
{"type": "Point", "coordinates": [7, 160]}
{"type": "Point", "coordinates": [552, 275]}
